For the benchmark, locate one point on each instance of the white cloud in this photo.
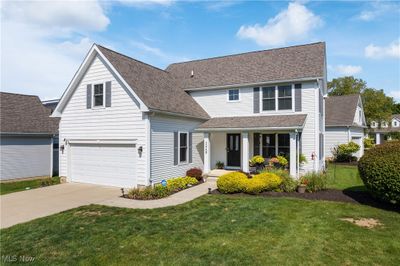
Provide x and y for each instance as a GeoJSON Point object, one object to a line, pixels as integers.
{"type": "Point", "coordinates": [377, 9]}
{"type": "Point", "coordinates": [155, 51]}
{"type": "Point", "coordinates": [347, 70]}
{"type": "Point", "coordinates": [378, 52]}
{"type": "Point", "coordinates": [292, 24]}
{"type": "Point", "coordinates": [220, 5]}
{"type": "Point", "coordinates": [45, 42]}
{"type": "Point", "coordinates": [395, 95]}
{"type": "Point", "coordinates": [146, 3]}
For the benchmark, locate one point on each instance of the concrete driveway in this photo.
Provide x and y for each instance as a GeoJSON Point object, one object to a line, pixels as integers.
{"type": "Point", "coordinates": [24, 206]}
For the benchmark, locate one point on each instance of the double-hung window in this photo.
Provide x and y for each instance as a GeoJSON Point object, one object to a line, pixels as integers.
{"type": "Point", "coordinates": [233, 95]}
{"type": "Point", "coordinates": [285, 97]}
{"type": "Point", "coordinates": [183, 147]}
{"type": "Point", "coordinates": [283, 145]}
{"type": "Point", "coordinates": [268, 145]}
{"type": "Point", "coordinates": [98, 95]}
{"type": "Point", "coordinates": [268, 98]}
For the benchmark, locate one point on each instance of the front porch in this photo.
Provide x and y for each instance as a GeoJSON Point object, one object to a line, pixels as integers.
{"type": "Point", "coordinates": [235, 148]}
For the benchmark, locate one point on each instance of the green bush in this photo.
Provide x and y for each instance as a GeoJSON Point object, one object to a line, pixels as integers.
{"type": "Point", "coordinates": [368, 143]}
{"type": "Point", "coordinates": [344, 152]}
{"type": "Point", "coordinates": [380, 171]}
{"type": "Point", "coordinates": [180, 183]}
{"type": "Point", "coordinates": [288, 183]}
{"type": "Point", "coordinates": [148, 193]}
{"type": "Point", "coordinates": [315, 181]}
{"type": "Point", "coordinates": [271, 181]}
{"type": "Point", "coordinates": [232, 182]}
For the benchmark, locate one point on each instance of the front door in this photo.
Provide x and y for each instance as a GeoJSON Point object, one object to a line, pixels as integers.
{"type": "Point", "coordinates": [233, 150]}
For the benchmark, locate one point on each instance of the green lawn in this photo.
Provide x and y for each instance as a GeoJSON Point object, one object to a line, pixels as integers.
{"type": "Point", "coordinates": [6, 188]}
{"type": "Point", "coordinates": [212, 230]}
{"type": "Point", "coordinates": [344, 177]}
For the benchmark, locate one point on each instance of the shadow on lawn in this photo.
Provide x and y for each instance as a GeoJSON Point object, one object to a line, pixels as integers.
{"type": "Point", "coordinates": [360, 195]}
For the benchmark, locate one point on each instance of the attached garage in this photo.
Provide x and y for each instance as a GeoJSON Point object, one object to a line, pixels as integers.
{"type": "Point", "coordinates": [103, 164]}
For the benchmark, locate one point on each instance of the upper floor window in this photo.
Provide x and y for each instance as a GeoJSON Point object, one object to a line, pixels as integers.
{"type": "Point", "coordinates": [277, 98]}
{"type": "Point", "coordinates": [233, 95]}
{"type": "Point", "coordinates": [285, 97]}
{"type": "Point", "coordinates": [384, 124]}
{"type": "Point", "coordinates": [373, 124]}
{"type": "Point", "coordinates": [268, 98]}
{"type": "Point", "coordinates": [98, 95]}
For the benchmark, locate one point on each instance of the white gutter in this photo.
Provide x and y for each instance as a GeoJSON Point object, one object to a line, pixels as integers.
{"type": "Point", "coordinates": [254, 84]}
{"type": "Point", "coordinates": [102, 141]}
{"type": "Point", "coordinates": [248, 129]}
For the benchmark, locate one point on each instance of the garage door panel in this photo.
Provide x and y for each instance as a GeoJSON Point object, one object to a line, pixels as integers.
{"type": "Point", "coordinates": [111, 165]}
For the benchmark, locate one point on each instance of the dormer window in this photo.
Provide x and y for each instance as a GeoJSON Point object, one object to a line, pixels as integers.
{"type": "Point", "coordinates": [373, 124]}
{"type": "Point", "coordinates": [395, 123]}
{"type": "Point", "coordinates": [384, 124]}
{"type": "Point", "coordinates": [233, 95]}
{"type": "Point", "coordinates": [98, 95]}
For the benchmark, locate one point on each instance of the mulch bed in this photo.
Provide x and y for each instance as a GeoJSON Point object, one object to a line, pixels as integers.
{"type": "Point", "coordinates": [356, 197]}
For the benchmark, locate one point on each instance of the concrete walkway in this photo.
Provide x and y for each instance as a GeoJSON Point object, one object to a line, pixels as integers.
{"type": "Point", "coordinates": [28, 205]}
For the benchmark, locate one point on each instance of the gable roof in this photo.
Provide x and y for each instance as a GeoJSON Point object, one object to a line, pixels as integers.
{"type": "Point", "coordinates": [25, 114]}
{"type": "Point", "coordinates": [154, 86]}
{"type": "Point", "coordinates": [254, 122]}
{"type": "Point", "coordinates": [396, 116]}
{"type": "Point", "coordinates": [340, 110]}
{"type": "Point", "coordinates": [282, 64]}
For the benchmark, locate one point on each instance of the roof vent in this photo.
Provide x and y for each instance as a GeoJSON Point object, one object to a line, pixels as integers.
{"type": "Point", "coordinates": [192, 74]}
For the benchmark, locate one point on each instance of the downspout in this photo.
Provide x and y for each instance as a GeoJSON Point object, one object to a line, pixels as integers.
{"type": "Point", "coordinates": [297, 155]}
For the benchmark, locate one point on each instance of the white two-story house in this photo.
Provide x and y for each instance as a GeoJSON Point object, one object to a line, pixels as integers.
{"type": "Point", "coordinates": [125, 123]}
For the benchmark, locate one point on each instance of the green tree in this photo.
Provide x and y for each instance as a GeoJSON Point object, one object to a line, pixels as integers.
{"type": "Point", "coordinates": [377, 106]}
{"type": "Point", "coordinates": [345, 86]}
{"type": "Point", "coordinates": [396, 108]}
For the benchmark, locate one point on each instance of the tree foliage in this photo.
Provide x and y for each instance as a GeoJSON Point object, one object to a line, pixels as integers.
{"type": "Point", "coordinates": [377, 106]}
{"type": "Point", "coordinates": [345, 86]}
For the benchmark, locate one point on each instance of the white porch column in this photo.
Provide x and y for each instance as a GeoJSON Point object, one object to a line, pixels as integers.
{"type": "Point", "coordinates": [293, 156]}
{"type": "Point", "coordinates": [378, 139]}
{"type": "Point", "coordinates": [207, 153]}
{"type": "Point", "coordinates": [245, 152]}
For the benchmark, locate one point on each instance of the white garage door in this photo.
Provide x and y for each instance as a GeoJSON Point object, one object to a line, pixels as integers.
{"type": "Point", "coordinates": [103, 164]}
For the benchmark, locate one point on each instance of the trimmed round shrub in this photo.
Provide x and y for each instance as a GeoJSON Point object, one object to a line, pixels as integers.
{"type": "Point", "coordinates": [196, 173]}
{"type": "Point", "coordinates": [271, 181]}
{"type": "Point", "coordinates": [255, 185]}
{"type": "Point", "coordinates": [380, 171]}
{"type": "Point", "coordinates": [232, 182]}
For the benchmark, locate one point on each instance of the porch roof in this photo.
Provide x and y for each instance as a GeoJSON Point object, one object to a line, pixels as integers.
{"type": "Point", "coordinates": [266, 122]}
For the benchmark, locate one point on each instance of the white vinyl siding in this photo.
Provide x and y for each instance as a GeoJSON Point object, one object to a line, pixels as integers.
{"type": "Point", "coordinates": [341, 135]}
{"type": "Point", "coordinates": [162, 146]}
{"type": "Point", "coordinates": [122, 121]}
{"type": "Point", "coordinates": [23, 157]}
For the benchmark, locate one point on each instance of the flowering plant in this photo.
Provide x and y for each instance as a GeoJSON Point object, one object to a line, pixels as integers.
{"type": "Point", "coordinates": [257, 160]}
{"type": "Point", "coordinates": [303, 181]}
{"type": "Point", "coordinates": [282, 160]}
{"type": "Point", "coordinates": [273, 160]}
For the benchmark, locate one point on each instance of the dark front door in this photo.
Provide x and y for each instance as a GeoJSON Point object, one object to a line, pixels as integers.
{"type": "Point", "coordinates": [233, 149]}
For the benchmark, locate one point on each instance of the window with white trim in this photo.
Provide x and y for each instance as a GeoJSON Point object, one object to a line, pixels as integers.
{"type": "Point", "coordinates": [285, 97]}
{"type": "Point", "coordinates": [268, 98]}
{"type": "Point", "coordinates": [183, 147]}
{"type": "Point", "coordinates": [98, 95]}
{"type": "Point", "coordinates": [233, 95]}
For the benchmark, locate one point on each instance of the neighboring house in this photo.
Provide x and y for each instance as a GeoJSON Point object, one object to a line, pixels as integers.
{"type": "Point", "coordinates": [26, 137]}
{"type": "Point", "coordinates": [344, 122]}
{"type": "Point", "coordinates": [126, 123]}
{"type": "Point", "coordinates": [52, 104]}
{"type": "Point", "coordinates": [381, 131]}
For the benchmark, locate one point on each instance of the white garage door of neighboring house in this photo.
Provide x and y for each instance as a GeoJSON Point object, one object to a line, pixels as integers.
{"type": "Point", "coordinates": [103, 164]}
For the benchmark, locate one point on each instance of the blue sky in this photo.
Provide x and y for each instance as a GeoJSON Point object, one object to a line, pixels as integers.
{"type": "Point", "coordinates": [41, 51]}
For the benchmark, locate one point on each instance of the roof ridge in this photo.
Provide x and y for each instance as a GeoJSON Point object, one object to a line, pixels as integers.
{"type": "Point", "coordinates": [131, 58]}
{"type": "Point", "coordinates": [244, 53]}
{"type": "Point", "coordinates": [15, 93]}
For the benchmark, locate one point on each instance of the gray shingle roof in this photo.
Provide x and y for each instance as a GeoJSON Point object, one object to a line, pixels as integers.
{"type": "Point", "coordinates": [154, 86]}
{"type": "Point", "coordinates": [270, 121]}
{"type": "Point", "coordinates": [296, 62]}
{"type": "Point", "coordinates": [340, 110]}
{"type": "Point", "coordinates": [25, 114]}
